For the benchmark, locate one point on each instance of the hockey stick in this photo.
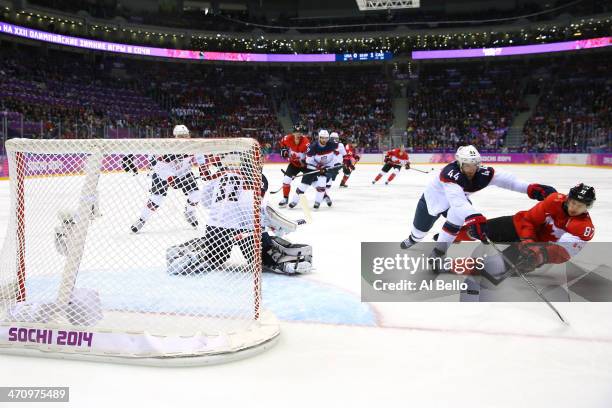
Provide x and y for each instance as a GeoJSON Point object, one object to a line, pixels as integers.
{"type": "Point", "coordinates": [302, 175]}
{"type": "Point", "coordinates": [422, 171]}
{"type": "Point", "coordinates": [276, 191]}
{"type": "Point", "coordinates": [529, 282]}
{"type": "Point", "coordinates": [305, 208]}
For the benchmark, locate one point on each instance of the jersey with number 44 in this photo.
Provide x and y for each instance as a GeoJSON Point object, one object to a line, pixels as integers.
{"type": "Point", "coordinates": [451, 188]}
{"type": "Point", "coordinates": [548, 221]}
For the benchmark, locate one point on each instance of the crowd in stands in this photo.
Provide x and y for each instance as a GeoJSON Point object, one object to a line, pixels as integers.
{"type": "Point", "coordinates": [65, 95]}
{"type": "Point", "coordinates": [56, 94]}
{"type": "Point", "coordinates": [574, 110]}
{"type": "Point", "coordinates": [463, 104]}
{"type": "Point", "coordinates": [354, 102]}
{"type": "Point", "coordinates": [75, 97]}
{"type": "Point", "coordinates": [217, 102]}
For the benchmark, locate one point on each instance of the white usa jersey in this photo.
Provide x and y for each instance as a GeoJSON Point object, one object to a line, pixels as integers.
{"type": "Point", "coordinates": [229, 203]}
{"type": "Point", "coordinates": [318, 156]}
{"type": "Point", "coordinates": [175, 165]}
{"type": "Point", "coordinates": [451, 188]}
{"type": "Point", "coordinates": [341, 152]}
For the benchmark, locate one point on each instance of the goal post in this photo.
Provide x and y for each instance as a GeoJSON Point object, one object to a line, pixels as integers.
{"type": "Point", "coordinates": [77, 282]}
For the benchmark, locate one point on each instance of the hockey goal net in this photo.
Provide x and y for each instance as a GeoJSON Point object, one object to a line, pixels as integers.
{"type": "Point", "coordinates": [77, 277]}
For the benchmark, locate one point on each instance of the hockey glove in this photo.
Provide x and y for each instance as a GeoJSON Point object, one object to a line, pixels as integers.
{"type": "Point", "coordinates": [387, 159]}
{"type": "Point", "coordinates": [284, 153]}
{"type": "Point", "coordinates": [476, 226]}
{"type": "Point", "coordinates": [407, 166]}
{"type": "Point", "coordinates": [531, 256]}
{"type": "Point", "coordinates": [539, 191]}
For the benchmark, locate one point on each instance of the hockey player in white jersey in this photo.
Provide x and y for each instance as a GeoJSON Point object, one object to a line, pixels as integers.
{"type": "Point", "coordinates": [447, 195]}
{"type": "Point", "coordinates": [321, 156]}
{"type": "Point", "coordinates": [230, 202]}
{"type": "Point", "coordinates": [333, 173]}
{"type": "Point", "coordinates": [175, 171]}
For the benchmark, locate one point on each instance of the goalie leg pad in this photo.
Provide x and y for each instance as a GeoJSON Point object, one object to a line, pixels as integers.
{"type": "Point", "coordinates": [289, 258]}
{"type": "Point", "coordinates": [183, 259]}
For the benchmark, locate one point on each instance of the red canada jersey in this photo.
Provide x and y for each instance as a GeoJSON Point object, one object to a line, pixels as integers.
{"type": "Point", "coordinates": [351, 155]}
{"type": "Point", "coordinates": [297, 151]}
{"type": "Point", "coordinates": [397, 158]}
{"type": "Point", "coordinates": [547, 221]}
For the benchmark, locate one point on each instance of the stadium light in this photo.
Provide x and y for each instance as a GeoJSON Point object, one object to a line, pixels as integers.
{"type": "Point", "coordinates": [366, 5]}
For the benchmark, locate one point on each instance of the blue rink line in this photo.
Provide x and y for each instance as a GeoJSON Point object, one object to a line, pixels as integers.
{"type": "Point", "coordinates": [290, 298]}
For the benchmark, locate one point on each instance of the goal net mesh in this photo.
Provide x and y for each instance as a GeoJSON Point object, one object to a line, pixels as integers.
{"type": "Point", "coordinates": [151, 237]}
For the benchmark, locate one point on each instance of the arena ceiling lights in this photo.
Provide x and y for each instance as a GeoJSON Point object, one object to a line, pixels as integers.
{"type": "Point", "coordinates": [367, 5]}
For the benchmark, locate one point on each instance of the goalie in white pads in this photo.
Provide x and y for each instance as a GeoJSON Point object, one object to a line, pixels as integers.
{"type": "Point", "coordinates": [175, 171]}
{"type": "Point", "coordinates": [230, 204]}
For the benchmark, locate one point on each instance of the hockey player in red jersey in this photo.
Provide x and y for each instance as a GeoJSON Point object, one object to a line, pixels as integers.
{"type": "Point", "coordinates": [394, 159]}
{"type": "Point", "coordinates": [348, 163]}
{"type": "Point", "coordinates": [551, 232]}
{"type": "Point", "coordinates": [293, 148]}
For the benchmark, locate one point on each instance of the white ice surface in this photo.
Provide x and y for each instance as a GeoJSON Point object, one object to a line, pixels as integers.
{"type": "Point", "coordinates": [336, 350]}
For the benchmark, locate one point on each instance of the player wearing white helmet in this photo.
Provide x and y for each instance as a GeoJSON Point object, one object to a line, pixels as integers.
{"type": "Point", "coordinates": [181, 131]}
{"type": "Point", "coordinates": [175, 171]}
{"type": "Point", "coordinates": [447, 195]}
{"type": "Point", "coordinates": [333, 173]}
{"type": "Point", "coordinates": [320, 156]}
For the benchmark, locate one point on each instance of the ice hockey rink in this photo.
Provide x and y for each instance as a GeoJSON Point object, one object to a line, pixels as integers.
{"type": "Point", "coordinates": [335, 350]}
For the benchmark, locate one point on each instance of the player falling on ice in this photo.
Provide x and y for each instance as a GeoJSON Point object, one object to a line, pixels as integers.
{"type": "Point", "coordinates": [447, 195]}
{"type": "Point", "coordinates": [551, 232]}
{"type": "Point", "coordinates": [394, 159]}
{"type": "Point", "coordinates": [321, 156]}
{"type": "Point", "coordinates": [348, 163]}
{"type": "Point", "coordinates": [175, 171]}
{"type": "Point", "coordinates": [293, 148]}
